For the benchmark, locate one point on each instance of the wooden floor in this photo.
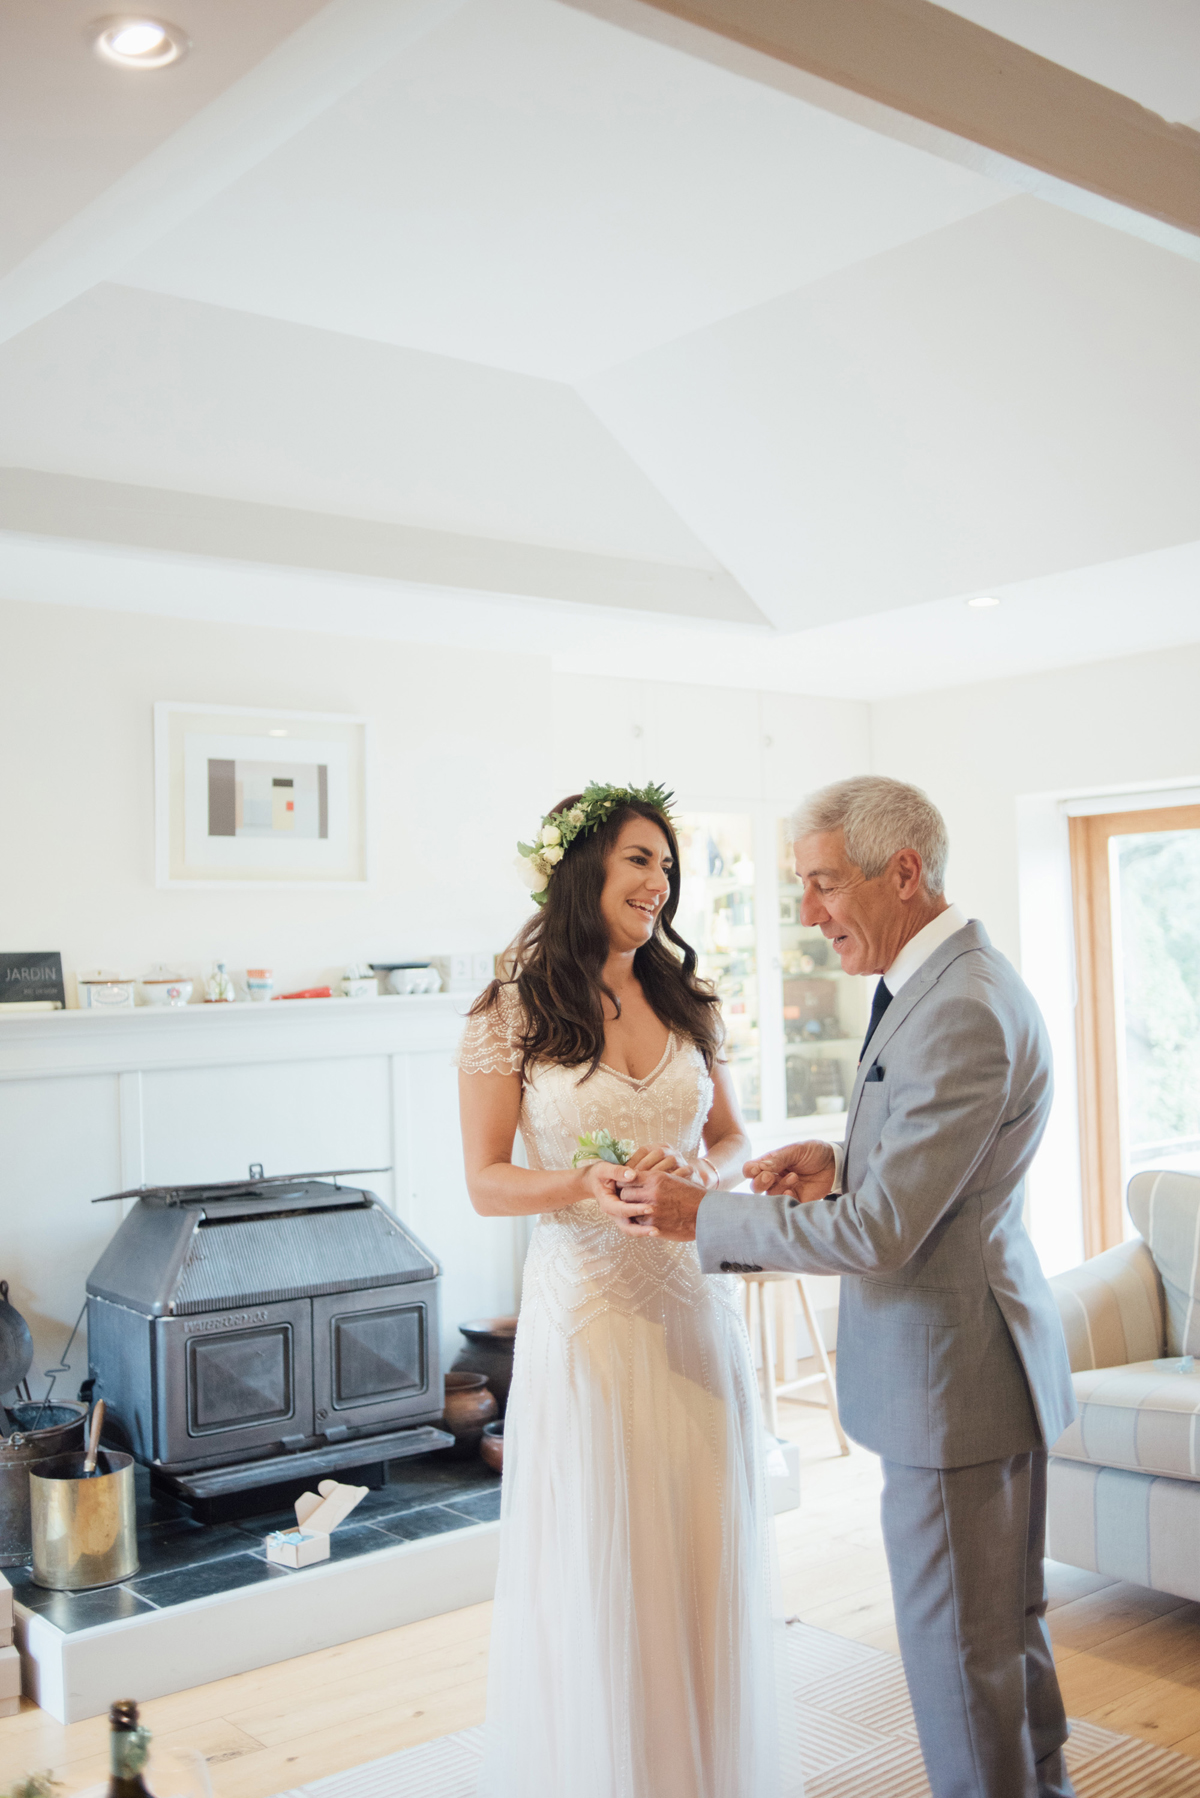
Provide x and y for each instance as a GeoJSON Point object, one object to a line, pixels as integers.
{"type": "Point", "coordinates": [1128, 1659]}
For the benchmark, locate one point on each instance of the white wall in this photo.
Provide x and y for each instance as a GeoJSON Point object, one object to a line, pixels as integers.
{"type": "Point", "coordinates": [458, 770]}
{"type": "Point", "coordinates": [996, 757]}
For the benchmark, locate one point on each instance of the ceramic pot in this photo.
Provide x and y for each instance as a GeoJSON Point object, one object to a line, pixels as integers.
{"type": "Point", "coordinates": [469, 1405]}
{"type": "Point", "coordinates": [171, 990]}
{"type": "Point", "coordinates": [491, 1445]}
{"type": "Point", "coordinates": [489, 1350]}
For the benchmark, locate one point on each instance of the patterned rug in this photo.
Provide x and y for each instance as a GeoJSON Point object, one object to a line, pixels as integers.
{"type": "Point", "coordinates": [857, 1741]}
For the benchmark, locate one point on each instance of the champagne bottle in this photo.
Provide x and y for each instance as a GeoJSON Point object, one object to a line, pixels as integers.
{"type": "Point", "coordinates": [129, 1744]}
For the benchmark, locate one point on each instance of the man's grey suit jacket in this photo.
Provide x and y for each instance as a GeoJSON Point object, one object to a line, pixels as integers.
{"type": "Point", "coordinates": [947, 1329]}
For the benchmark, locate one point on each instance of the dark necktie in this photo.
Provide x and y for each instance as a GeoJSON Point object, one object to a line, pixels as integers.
{"type": "Point", "coordinates": [879, 1005]}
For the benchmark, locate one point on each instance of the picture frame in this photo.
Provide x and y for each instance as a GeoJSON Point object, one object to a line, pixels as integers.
{"type": "Point", "coordinates": [248, 797]}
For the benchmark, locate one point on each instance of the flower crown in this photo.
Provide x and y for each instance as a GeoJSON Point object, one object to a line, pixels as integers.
{"type": "Point", "coordinates": [538, 860]}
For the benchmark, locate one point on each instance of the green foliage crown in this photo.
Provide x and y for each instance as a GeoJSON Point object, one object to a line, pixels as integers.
{"type": "Point", "coordinates": [558, 830]}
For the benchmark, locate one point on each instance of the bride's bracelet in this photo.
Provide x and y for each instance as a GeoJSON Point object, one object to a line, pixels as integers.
{"type": "Point", "coordinates": [703, 1161]}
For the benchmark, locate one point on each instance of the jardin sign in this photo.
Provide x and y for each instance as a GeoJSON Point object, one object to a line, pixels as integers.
{"type": "Point", "coordinates": [35, 978]}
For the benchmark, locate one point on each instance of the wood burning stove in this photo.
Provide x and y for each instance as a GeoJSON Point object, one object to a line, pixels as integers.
{"type": "Point", "coordinates": [229, 1326]}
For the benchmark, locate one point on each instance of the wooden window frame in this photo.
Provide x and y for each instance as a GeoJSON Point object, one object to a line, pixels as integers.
{"type": "Point", "coordinates": [1096, 1011]}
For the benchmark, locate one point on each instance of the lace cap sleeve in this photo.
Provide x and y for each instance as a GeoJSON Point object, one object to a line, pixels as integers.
{"type": "Point", "coordinates": [491, 1042]}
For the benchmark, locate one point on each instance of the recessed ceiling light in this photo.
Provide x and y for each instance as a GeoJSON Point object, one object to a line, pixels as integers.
{"type": "Point", "coordinates": [277, 733]}
{"type": "Point", "coordinates": [136, 42]}
{"type": "Point", "coordinates": [983, 600]}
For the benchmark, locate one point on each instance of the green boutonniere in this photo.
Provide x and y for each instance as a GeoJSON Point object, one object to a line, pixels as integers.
{"type": "Point", "coordinates": [602, 1145]}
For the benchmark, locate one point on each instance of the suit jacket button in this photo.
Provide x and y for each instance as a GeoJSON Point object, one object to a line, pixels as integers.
{"type": "Point", "coordinates": [726, 1268]}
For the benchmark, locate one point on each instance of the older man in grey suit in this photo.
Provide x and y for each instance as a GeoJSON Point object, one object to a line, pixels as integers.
{"type": "Point", "coordinates": [951, 1363]}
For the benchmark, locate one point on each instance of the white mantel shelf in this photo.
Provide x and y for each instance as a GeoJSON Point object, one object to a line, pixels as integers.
{"type": "Point", "coordinates": [47, 1043]}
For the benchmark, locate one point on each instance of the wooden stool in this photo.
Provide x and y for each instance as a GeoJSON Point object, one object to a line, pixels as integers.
{"type": "Point", "coordinates": [760, 1296]}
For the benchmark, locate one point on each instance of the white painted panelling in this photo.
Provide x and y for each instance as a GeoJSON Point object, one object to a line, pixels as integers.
{"type": "Point", "coordinates": [60, 1147]}
{"type": "Point", "coordinates": [705, 742]}
{"type": "Point", "coordinates": [713, 745]}
{"type": "Point", "coordinates": [293, 1117]}
{"type": "Point", "coordinates": [809, 742]}
{"type": "Point", "coordinates": [598, 732]}
{"type": "Point", "coordinates": [476, 1252]}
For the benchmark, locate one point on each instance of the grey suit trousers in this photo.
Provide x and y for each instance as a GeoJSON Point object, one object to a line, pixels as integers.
{"type": "Point", "coordinates": [965, 1548]}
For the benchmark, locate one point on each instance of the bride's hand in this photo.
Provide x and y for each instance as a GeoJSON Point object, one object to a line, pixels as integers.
{"type": "Point", "coordinates": [600, 1180]}
{"type": "Point", "coordinates": [655, 1158]}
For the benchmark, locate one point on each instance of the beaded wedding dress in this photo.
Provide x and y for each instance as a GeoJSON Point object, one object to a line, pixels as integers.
{"type": "Point", "coordinates": [637, 1642]}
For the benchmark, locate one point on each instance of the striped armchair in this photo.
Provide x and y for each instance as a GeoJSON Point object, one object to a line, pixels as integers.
{"type": "Point", "coordinates": [1125, 1477]}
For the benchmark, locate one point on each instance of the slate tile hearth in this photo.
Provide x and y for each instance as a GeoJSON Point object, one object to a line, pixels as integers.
{"type": "Point", "coordinates": [70, 1611]}
{"type": "Point", "coordinates": [203, 1578]}
{"type": "Point", "coordinates": [182, 1559]}
{"type": "Point", "coordinates": [426, 1520]}
{"type": "Point", "coordinates": [482, 1507]}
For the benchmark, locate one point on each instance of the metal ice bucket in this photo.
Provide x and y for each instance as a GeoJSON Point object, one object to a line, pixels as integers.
{"type": "Point", "coordinates": [39, 1431]}
{"type": "Point", "coordinates": [84, 1530]}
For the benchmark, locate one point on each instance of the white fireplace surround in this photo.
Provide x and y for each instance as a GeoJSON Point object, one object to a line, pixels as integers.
{"type": "Point", "coordinates": [93, 1103]}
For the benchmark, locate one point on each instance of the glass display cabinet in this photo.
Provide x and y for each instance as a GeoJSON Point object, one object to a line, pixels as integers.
{"type": "Point", "coordinates": [718, 915]}
{"type": "Point", "coordinates": [794, 1022]}
{"type": "Point", "coordinates": [824, 1011]}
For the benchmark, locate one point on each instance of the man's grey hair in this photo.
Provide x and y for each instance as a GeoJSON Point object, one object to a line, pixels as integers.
{"type": "Point", "coordinates": [878, 817]}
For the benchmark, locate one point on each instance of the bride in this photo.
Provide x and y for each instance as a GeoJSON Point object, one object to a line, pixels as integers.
{"type": "Point", "coordinates": [636, 1645]}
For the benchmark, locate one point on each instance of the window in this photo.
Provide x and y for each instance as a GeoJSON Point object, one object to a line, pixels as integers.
{"type": "Point", "coordinates": [1136, 880]}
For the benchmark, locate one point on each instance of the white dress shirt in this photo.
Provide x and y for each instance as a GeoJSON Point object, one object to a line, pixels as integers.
{"type": "Point", "coordinates": [914, 954]}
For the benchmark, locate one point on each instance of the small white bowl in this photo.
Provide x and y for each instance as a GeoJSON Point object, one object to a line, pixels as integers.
{"type": "Point", "coordinates": [172, 992]}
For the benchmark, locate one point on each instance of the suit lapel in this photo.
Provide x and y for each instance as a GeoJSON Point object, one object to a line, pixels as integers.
{"type": "Point", "coordinates": [971, 936]}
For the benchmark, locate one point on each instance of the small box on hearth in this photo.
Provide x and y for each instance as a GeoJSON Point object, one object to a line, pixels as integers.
{"type": "Point", "coordinates": [317, 1516]}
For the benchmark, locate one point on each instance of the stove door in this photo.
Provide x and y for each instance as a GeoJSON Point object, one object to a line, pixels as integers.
{"type": "Point", "coordinates": [230, 1381]}
{"type": "Point", "coordinates": [375, 1356]}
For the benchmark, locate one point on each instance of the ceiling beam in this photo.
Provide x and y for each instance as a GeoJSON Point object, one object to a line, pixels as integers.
{"type": "Point", "coordinates": [963, 84]}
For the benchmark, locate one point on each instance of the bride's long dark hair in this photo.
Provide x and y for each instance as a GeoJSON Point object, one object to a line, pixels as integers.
{"type": "Point", "coordinates": [556, 960]}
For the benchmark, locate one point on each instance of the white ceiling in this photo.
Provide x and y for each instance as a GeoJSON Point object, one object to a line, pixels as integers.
{"type": "Point", "coordinates": [503, 279]}
{"type": "Point", "coordinates": [532, 189]}
{"type": "Point", "coordinates": [70, 125]}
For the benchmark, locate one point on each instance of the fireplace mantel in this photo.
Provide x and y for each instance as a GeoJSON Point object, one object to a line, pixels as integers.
{"type": "Point", "coordinates": [93, 1103]}
{"type": "Point", "coordinates": [81, 1042]}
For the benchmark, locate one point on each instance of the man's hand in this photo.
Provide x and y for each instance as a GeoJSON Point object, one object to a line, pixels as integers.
{"type": "Point", "coordinates": [656, 1204]}
{"type": "Point", "coordinates": [804, 1171]}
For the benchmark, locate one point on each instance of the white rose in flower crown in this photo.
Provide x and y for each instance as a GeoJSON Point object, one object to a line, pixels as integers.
{"type": "Point", "coordinates": [551, 834]}
{"type": "Point", "coordinates": [553, 855]}
{"type": "Point", "coordinates": [533, 872]}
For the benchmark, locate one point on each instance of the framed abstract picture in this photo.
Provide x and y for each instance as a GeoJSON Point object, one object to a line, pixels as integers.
{"type": "Point", "coordinates": [250, 798]}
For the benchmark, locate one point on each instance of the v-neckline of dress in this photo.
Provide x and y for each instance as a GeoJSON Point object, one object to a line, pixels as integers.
{"type": "Point", "coordinates": [663, 1061]}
